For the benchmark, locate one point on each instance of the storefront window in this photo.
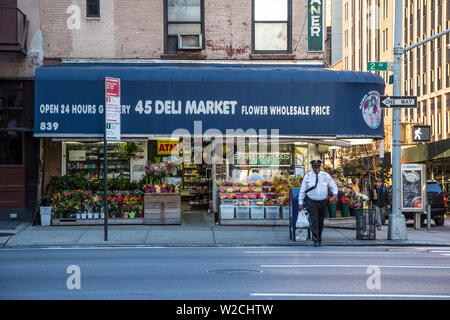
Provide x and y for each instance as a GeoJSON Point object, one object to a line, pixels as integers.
{"type": "Point", "coordinates": [87, 159]}
{"type": "Point", "coordinates": [269, 160]}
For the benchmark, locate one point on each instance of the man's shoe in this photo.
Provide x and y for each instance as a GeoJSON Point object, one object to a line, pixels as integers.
{"type": "Point", "coordinates": [320, 243]}
{"type": "Point", "coordinates": [316, 244]}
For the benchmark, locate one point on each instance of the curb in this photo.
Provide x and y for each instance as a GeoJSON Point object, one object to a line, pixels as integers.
{"type": "Point", "coordinates": [295, 244]}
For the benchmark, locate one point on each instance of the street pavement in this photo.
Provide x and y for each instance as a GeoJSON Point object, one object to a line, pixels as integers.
{"type": "Point", "coordinates": [225, 273]}
{"type": "Point", "coordinates": [203, 232]}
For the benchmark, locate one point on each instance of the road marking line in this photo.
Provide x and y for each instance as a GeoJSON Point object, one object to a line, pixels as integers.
{"type": "Point", "coordinates": [332, 252]}
{"type": "Point", "coordinates": [345, 295]}
{"type": "Point", "coordinates": [346, 266]}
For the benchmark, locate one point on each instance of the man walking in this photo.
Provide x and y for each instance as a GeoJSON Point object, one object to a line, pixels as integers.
{"type": "Point", "coordinates": [380, 198]}
{"type": "Point", "coordinates": [314, 196]}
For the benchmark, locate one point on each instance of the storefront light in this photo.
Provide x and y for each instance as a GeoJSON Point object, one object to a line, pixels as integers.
{"type": "Point", "coordinates": [358, 142]}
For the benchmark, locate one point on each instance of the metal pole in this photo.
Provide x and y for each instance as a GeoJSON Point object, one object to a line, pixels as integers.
{"type": "Point", "coordinates": [428, 217]}
{"type": "Point", "coordinates": [437, 35]}
{"type": "Point", "coordinates": [397, 222]}
{"type": "Point", "coordinates": [105, 175]}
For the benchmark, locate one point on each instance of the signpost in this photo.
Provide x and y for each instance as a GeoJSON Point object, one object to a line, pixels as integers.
{"type": "Point", "coordinates": [398, 102]}
{"type": "Point", "coordinates": [111, 132]}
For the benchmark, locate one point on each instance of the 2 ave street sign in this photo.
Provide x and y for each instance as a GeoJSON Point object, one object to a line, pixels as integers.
{"type": "Point", "coordinates": [398, 102]}
{"type": "Point", "coordinates": [379, 66]}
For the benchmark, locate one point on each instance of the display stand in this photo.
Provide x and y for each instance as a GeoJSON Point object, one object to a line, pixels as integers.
{"type": "Point", "coordinates": [162, 208]}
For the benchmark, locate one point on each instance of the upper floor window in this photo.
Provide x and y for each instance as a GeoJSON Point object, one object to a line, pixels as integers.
{"type": "Point", "coordinates": [184, 24]}
{"type": "Point", "coordinates": [272, 26]}
{"type": "Point", "coordinates": [93, 8]}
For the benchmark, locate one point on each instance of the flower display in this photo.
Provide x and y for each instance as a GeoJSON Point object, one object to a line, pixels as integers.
{"type": "Point", "coordinates": [159, 188]}
{"type": "Point", "coordinates": [67, 204]}
{"type": "Point", "coordinates": [155, 172]}
{"type": "Point", "coordinates": [283, 185]}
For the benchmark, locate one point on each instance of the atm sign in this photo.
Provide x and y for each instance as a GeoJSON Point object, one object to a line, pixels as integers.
{"type": "Point", "coordinates": [165, 147]}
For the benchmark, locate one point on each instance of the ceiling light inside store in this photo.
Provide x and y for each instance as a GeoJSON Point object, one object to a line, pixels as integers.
{"type": "Point", "coordinates": [358, 142]}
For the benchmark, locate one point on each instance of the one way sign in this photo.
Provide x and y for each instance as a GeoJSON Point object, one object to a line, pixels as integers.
{"type": "Point", "coordinates": [398, 101]}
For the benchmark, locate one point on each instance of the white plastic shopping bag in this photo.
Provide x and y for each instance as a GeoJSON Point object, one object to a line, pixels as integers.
{"type": "Point", "coordinates": [302, 219]}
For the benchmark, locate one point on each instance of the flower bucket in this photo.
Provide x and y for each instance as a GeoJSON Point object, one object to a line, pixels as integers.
{"type": "Point", "coordinates": [96, 214]}
{"type": "Point", "coordinates": [332, 207]}
{"type": "Point", "coordinates": [83, 215]}
{"type": "Point", "coordinates": [345, 209]}
{"type": "Point", "coordinates": [46, 215]}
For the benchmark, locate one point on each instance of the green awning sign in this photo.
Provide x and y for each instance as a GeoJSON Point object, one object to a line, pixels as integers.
{"type": "Point", "coordinates": [315, 26]}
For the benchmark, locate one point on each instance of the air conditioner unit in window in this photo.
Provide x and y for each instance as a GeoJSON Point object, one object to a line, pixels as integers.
{"type": "Point", "coordinates": [190, 41]}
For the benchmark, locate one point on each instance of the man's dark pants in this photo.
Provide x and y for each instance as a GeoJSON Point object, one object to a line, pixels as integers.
{"type": "Point", "coordinates": [317, 211]}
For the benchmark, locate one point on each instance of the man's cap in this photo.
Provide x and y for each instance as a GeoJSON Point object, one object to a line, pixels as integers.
{"type": "Point", "coordinates": [378, 180]}
{"type": "Point", "coordinates": [316, 163]}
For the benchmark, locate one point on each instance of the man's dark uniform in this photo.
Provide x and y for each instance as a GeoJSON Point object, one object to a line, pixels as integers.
{"type": "Point", "coordinates": [314, 196]}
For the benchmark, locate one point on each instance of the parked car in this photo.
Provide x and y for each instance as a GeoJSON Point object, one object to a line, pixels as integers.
{"type": "Point", "coordinates": [437, 199]}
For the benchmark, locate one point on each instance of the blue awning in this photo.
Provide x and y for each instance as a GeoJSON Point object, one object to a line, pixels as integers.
{"type": "Point", "coordinates": [158, 99]}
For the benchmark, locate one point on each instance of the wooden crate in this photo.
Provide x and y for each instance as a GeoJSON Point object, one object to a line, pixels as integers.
{"type": "Point", "coordinates": [162, 208]}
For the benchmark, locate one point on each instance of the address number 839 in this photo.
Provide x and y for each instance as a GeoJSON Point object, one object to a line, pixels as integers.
{"type": "Point", "coordinates": [49, 126]}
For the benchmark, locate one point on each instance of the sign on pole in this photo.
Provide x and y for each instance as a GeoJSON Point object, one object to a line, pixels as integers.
{"type": "Point", "coordinates": [381, 149]}
{"type": "Point", "coordinates": [421, 133]}
{"type": "Point", "coordinates": [316, 25]}
{"type": "Point", "coordinates": [378, 66]}
{"type": "Point", "coordinates": [112, 109]}
{"type": "Point", "coordinates": [398, 101]}
{"type": "Point", "coordinates": [111, 133]}
{"type": "Point", "coordinates": [413, 187]}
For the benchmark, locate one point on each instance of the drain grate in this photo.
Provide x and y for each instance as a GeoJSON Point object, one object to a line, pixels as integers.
{"type": "Point", "coordinates": [7, 234]}
{"type": "Point", "coordinates": [235, 271]}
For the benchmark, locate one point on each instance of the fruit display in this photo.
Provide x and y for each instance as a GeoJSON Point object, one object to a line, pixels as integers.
{"type": "Point", "coordinates": [242, 203]}
{"type": "Point", "coordinates": [252, 199]}
{"type": "Point", "coordinates": [271, 202]}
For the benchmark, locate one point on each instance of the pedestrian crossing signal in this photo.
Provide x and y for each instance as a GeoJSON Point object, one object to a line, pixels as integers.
{"type": "Point", "coordinates": [421, 133]}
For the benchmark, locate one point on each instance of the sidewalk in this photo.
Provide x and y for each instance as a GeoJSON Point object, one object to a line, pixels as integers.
{"type": "Point", "coordinates": [206, 235]}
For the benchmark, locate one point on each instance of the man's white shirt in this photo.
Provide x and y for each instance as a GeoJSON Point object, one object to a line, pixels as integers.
{"type": "Point", "coordinates": [320, 192]}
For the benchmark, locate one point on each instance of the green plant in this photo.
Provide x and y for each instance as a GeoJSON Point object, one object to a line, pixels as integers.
{"type": "Point", "coordinates": [68, 182]}
{"type": "Point", "coordinates": [130, 150]}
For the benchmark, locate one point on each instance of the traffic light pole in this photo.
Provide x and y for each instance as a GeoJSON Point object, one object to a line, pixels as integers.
{"type": "Point", "coordinates": [397, 223]}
